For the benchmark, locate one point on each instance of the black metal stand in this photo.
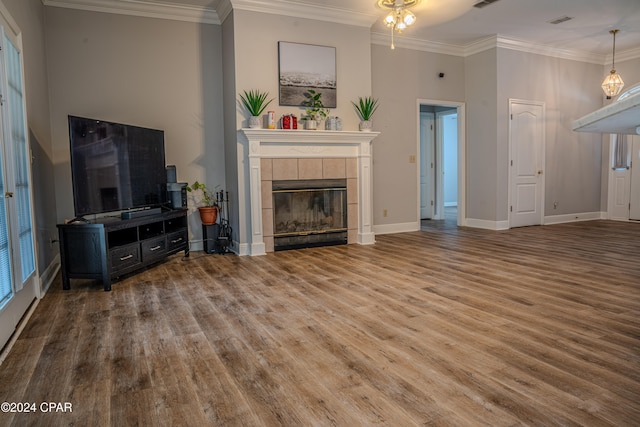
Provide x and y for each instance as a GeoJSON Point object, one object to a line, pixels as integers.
{"type": "Point", "coordinates": [210, 235]}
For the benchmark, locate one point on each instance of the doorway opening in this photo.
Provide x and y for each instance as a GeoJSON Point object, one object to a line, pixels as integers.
{"type": "Point", "coordinates": [441, 171]}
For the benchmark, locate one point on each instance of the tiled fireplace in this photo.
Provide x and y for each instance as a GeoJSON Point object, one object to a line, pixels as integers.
{"type": "Point", "coordinates": [315, 160]}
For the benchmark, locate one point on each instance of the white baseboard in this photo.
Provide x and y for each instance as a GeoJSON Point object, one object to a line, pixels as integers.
{"type": "Point", "coordinates": [575, 217]}
{"type": "Point", "coordinates": [396, 228]}
{"type": "Point", "coordinates": [47, 276]}
{"type": "Point", "coordinates": [487, 224]}
{"type": "Point", "coordinates": [242, 249]}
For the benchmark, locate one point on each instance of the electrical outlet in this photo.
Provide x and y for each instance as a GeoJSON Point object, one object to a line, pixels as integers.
{"type": "Point", "coordinates": [384, 213]}
{"type": "Point", "coordinates": [412, 158]}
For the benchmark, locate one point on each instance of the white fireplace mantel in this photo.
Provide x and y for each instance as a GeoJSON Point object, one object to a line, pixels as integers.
{"type": "Point", "coordinates": [277, 143]}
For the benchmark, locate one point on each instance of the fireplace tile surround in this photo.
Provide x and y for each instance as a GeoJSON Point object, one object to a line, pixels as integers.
{"type": "Point", "coordinates": [302, 154]}
{"type": "Point", "coordinates": [308, 169]}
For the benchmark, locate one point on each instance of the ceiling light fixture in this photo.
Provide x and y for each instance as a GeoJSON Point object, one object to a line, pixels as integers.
{"type": "Point", "coordinates": [400, 16]}
{"type": "Point", "coordinates": [613, 84]}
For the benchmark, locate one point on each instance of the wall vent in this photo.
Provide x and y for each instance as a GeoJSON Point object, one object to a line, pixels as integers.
{"type": "Point", "coordinates": [560, 20]}
{"type": "Point", "coordinates": [484, 3]}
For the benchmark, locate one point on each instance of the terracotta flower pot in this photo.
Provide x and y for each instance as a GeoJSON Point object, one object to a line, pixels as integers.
{"type": "Point", "coordinates": [208, 214]}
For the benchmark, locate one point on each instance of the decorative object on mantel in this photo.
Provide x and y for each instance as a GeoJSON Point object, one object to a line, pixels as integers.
{"type": "Point", "coordinates": [365, 108]}
{"type": "Point", "coordinates": [209, 210]}
{"type": "Point", "coordinates": [303, 67]}
{"type": "Point", "coordinates": [315, 110]}
{"type": "Point", "coordinates": [333, 123]}
{"type": "Point", "coordinates": [255, 102]}
{"type": "Point", "coordinates": [289, 121]}
{"type": "Point", "coordinates": [613, 84]}
{"type": "Point", "coordinates": [400, 16]}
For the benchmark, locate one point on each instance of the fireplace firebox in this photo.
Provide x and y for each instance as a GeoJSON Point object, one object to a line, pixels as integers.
{"type": "Point", "coordinates": [309, 213]}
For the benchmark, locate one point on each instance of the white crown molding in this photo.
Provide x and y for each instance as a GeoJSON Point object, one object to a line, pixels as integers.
{"type": "Point", "coordinates": [497, 41]}
{"type": "Point", "coordinates": [528, 47]}
{"type": "Point", "coordinates": [417, 44]}
{"type": "Point", "coordinates": [494, 41]}
{"type": "Point", "coordinates": [224, 9]}
{"type": "Point", "coordinates": [308, 11]}
{"type": "Point", "coordinates": [143, 8]}
{"type": "Point", "coordinates": [626, 55]}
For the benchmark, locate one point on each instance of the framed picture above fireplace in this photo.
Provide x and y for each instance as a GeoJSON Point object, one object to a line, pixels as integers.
{"type": "Point", "coordinates": [303, 67]}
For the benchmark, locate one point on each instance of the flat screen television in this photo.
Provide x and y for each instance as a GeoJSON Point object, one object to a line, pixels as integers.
{"type": "Point", "coordinates": [115, 167]}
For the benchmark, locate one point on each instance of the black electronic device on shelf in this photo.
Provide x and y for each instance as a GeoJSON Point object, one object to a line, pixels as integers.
{"type": "Point", "coordinates": [116, 167]}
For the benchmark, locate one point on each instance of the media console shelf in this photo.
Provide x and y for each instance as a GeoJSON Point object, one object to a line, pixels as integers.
{"type": "Point", "coordinates": [111, 247]}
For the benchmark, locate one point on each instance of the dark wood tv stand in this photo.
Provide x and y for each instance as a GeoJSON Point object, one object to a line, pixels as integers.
{"type": "Point", "coordinates": [110, 247]}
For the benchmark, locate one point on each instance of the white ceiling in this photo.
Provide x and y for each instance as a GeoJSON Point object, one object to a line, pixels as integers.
{"type": "Point", "coordinates": [456, 23]}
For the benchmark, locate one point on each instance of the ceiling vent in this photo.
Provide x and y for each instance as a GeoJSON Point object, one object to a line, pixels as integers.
{"type": "Point", "coordinates": [484, 3]}
{"type": "Point", "coordinates": [560, 20]}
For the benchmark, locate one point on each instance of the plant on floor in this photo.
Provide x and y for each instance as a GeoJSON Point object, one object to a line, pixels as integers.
{"type": "Point", "coordinates": [209, 208]}
{"type": "Point", "coordinates": [208, 197]}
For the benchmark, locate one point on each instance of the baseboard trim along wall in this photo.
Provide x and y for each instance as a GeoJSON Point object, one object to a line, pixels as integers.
{"type": "Point", "coordinates": [49, 274]}
{"type": "Point", "coordinates": [487, 224]}
{"type": "Point", "coordinates": [575, 217]}
{"type": "Point", "coordinates": [404, 227]}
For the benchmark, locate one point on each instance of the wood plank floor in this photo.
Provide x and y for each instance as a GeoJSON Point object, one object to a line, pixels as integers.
{"type": "Point", "coordinates": [444, 327]}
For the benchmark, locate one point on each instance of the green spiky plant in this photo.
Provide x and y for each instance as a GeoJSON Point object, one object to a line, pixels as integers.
{"type": "Point", "coordinates": [366, 107]}
{"type": "Point", "coordinates": [255, 101]}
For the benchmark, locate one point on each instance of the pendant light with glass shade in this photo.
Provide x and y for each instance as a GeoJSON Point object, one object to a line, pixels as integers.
{"type": "Point", "coordinates": [613, 84]}
{"type": "Point", "coordinates": [400, 17]}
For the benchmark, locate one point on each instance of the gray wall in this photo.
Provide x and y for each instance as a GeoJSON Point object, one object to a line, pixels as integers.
{"type": "Point", "coordinates": [481, 82]}
{"type": "Point", "coordinates": [401, 77]}
{"type": "Point", "coordinates": [230, 127]}
{"type": "Point", "coordinates": [148, 72]}
{"type": "Point", "coordinates": [569, 89]}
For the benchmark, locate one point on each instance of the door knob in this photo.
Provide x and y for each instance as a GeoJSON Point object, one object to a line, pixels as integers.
{"type": "Point", "coordinates": [8, 194]}
{"type": "Point", "coordinates": [540, 172]}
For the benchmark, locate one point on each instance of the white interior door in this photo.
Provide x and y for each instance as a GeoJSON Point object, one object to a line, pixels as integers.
{"type": "Point", "coordinates": [619, 178]}
{"type": "Point", "coordinates": [427, 176]}
{"type": "Point", "coordinates": [634, 186]}
{"type": "Point", "coordinates": [526, 143]}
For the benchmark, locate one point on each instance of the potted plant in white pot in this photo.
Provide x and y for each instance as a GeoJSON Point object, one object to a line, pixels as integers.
{"type": "Point", "coordinates": [365, 108]}
{"type": "Point", "coordinates": [315, 110]}
{"type": "Point", "coordinates": [209, 209]}
{"type": "Point", "coordinates": [255, 102]}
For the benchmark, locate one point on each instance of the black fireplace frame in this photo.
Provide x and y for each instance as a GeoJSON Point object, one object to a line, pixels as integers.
{"type": "Point", "coordinates": [313, 238]}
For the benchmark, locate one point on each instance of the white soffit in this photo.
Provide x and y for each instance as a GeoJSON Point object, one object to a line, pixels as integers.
{"type": "Point", "coordinates": [149, 9]}
{"type": "Point", "coordinates": [617, 117]}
